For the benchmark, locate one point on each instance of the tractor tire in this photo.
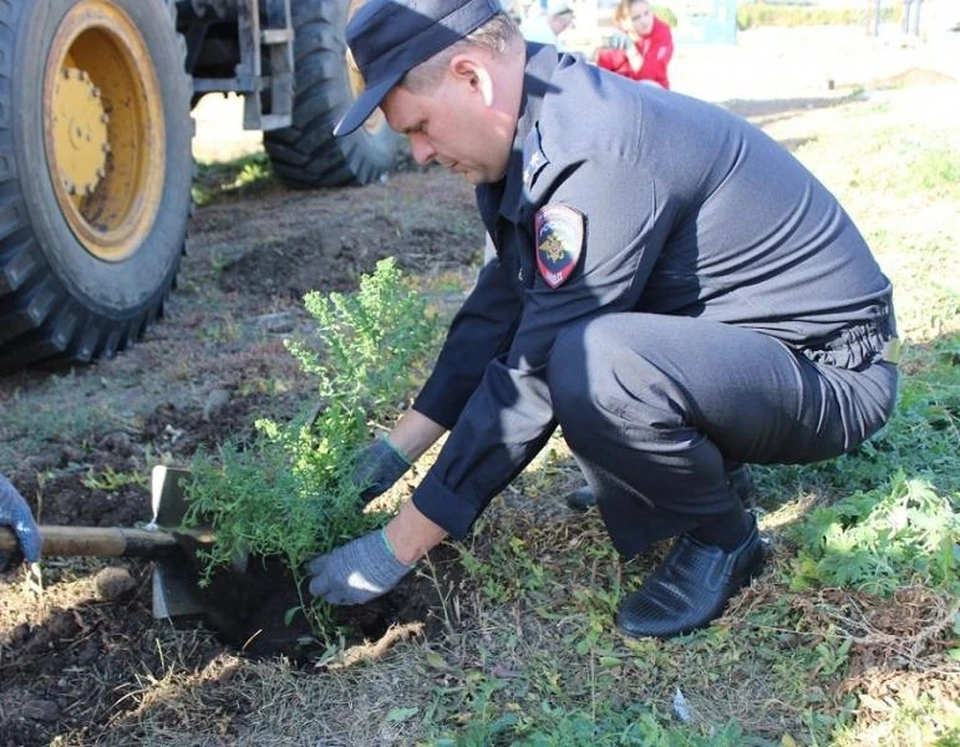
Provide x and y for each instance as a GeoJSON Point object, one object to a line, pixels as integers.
{"type": "Point", "coordinates": [306, 154]}
{"type": "Point", "coordinates": [95, 174]}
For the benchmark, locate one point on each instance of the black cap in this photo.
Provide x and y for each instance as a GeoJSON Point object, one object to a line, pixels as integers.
{"type": "Point", "coordinates": [387, 38]}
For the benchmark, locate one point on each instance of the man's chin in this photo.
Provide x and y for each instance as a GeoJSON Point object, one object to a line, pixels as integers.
{"type": "Point", "coordinates": [477, 178]}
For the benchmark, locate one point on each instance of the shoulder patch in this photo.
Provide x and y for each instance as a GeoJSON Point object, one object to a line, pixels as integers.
{"type": "Point", "coordinates": [559, 242]}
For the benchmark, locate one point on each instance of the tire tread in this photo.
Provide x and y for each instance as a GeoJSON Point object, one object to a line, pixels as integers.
{"type": "Point", "coordinates": [307, 155]}
{"type": "Point", "coordinates": [40, 321]}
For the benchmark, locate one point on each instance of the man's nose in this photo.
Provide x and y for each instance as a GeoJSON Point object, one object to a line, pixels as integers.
{"type": "Point", "coordinates": [420, 149]}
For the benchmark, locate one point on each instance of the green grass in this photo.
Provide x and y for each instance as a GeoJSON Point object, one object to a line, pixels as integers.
{"type": "Point", "coordinates": [240, 177]}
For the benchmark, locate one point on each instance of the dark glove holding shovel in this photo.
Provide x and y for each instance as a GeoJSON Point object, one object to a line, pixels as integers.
{"type": "Point", "coordinates": [377, 468]}
{"type": "Point", "coordinates": [16, 514]}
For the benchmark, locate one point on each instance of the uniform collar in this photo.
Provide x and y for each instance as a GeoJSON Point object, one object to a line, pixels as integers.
{"type": "Point", "coordinates": [542, 61]}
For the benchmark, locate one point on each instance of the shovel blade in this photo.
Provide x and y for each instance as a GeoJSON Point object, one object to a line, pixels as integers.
{"type": "Point", "coordinates": [176, 592]}
{"type": "Point", "coordinates": [176, 587]}
{"type": "Point", "coordinates": [167, 499]}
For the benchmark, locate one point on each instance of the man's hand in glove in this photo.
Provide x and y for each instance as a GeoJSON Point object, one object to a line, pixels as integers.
{"type": "Point", "coordinates": [15, 513]}
{"type": "Point", "coordinates": [358, 571]}
{"type": "Point", "coordinates": [377, 468]}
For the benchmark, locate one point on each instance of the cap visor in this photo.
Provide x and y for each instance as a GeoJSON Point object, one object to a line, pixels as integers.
{"type": "Point", "coordinates": [363, 107]}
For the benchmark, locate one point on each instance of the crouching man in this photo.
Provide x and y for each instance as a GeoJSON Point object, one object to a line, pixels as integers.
{"type": "Point", "coordinates": [664, 282]}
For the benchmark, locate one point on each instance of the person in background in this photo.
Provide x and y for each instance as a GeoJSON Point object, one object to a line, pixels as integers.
{"type": "Point", "coordinates": [16, 514]}
{"type": "Point", "coordinates": [545, 26]}
{"type": "Point", "coordinates": [642, 47]}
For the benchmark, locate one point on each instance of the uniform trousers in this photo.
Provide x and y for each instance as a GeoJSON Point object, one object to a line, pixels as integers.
{"type": "Point", "coordinates": [653, 406]}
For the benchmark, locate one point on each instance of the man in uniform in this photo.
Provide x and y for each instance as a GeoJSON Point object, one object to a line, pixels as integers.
{"type": "Point", "coordinates": [664, 282]}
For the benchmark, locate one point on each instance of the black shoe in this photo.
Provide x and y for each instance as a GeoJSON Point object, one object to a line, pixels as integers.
{"type": "Point", "coordinates": [690, 588]}
{"type": "Point", "coordinates": [739, 479]}
{"type": "Point", "coordinates": [581, 499]}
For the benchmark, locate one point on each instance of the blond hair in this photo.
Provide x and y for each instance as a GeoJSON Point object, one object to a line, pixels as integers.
{"type": "Point", "coordinates": [623, 12]}
{"type": "Point", "coordinates": [497, 35]}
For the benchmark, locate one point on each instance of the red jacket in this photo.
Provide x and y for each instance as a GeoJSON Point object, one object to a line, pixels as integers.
{"type": "Point", "coordinates": [656, 48]}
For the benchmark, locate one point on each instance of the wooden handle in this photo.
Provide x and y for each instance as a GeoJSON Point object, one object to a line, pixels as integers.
{"type": "Point", "coordinates": [100, 542]}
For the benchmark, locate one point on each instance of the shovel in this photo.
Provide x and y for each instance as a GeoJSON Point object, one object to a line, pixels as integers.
{"type": "Point", "coordinates": [175, 590]}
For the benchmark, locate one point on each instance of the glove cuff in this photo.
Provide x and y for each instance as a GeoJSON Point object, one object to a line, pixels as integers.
{"type": "Point", "coordinates": [377, 468]}
{"type": "Point", "coordinates": [395, 450]}
{"type": "Point", "coordinates": [389, 546]}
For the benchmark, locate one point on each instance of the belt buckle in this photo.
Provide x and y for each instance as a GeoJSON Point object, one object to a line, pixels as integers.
{"type": "Point", "coordinates": [891, 350]}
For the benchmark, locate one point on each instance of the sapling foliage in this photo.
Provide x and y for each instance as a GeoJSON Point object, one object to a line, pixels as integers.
{"type": "Point", "coordinates": [287, 493]}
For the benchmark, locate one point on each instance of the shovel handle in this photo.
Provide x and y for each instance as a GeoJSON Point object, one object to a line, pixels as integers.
{"type": "Point", "coordinates": [100, 542]}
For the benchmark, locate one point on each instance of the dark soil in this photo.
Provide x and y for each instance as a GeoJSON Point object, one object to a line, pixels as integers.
{"type": "Point", "coordinates": [70, 653]}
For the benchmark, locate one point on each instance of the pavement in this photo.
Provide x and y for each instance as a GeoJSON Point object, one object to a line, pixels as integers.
{"type": "Point", "coordinates": [772, 63]}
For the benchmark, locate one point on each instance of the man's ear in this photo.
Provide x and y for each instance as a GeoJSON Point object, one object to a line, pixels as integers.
{"type": "Point", "coordinates": [468, 69]}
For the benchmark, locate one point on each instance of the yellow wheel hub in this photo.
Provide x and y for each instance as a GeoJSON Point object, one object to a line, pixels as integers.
{"type": "Point", "coordinates": [104, 129]}
{"type": "Point", "coordinates": [80, 132]}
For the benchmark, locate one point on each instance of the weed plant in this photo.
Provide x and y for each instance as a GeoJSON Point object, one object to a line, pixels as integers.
{"type": "Point", "coordinates": [890, 512]}
{"type": "Point", "coordinates": [288, 493]}
{"type": "Point", "coordinates": [875, 541]}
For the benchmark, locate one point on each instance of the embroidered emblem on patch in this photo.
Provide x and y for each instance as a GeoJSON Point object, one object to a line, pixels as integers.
{"type": "Point", "coordinates": [559, 240]}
